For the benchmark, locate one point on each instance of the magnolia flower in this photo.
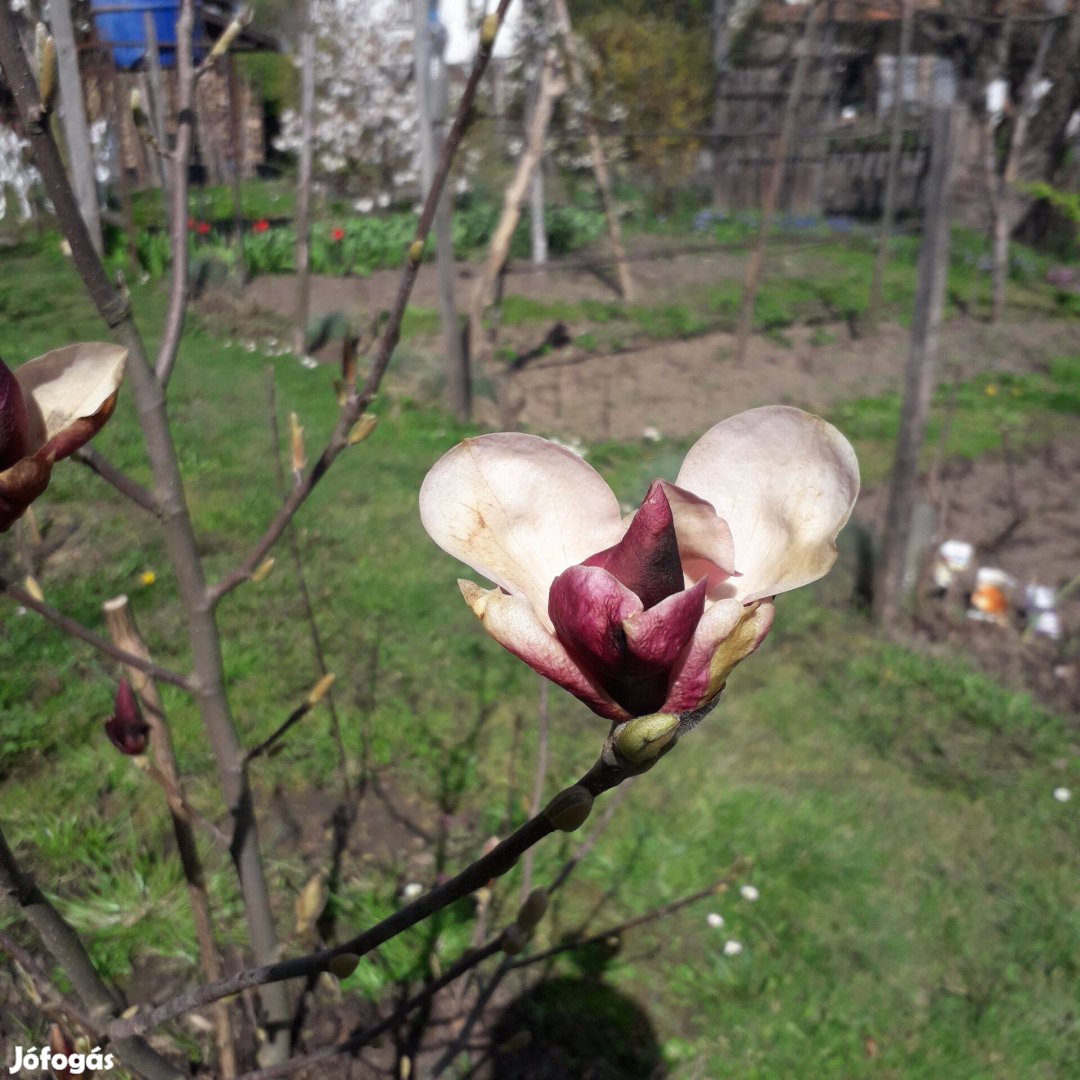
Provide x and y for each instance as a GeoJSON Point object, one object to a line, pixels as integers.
{"type": "Point", "coordinates": [651, 613]}
{"type": "Point", "coordinates": [50, 407]}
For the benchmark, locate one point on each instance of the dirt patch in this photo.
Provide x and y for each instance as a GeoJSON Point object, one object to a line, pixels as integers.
{"type": "Point", "coordinates": [1020, 513]}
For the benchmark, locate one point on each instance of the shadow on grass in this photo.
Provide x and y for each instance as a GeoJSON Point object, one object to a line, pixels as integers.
{"type": "Point", "coordinates": [577, 1026]}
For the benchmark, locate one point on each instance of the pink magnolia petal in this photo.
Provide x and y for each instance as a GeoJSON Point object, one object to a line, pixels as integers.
{"type": "Point", "coordinates": [646, 560]}
{"type": "Point", "coordinates": [69, 385]}
{"type": "Point", "coordinates": [519, 510]}
{"type": "Point", "coordinates": [587, 607]}
{"type": "Point", "coordinates": [785, 482]}
{"type": "Point", "coordinates": [14, 421]}
{"type": "Point", "coordinates": [728, 632]}
{"type": "Point", "coordinates": [514, 625]}
{"type": "Point", "coordinates": [656, 637]}
{"type": "Point", "coordinates": [705, 544]}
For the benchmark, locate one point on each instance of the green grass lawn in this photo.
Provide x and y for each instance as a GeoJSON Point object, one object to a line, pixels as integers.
{"type": "Point", "coordinates": [917, 914]}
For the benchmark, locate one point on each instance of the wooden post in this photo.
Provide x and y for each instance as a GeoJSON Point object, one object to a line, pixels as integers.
{"type": "Point", "coordinates": [776, 179]}
{"type": "Point", "coordinates": [433, 105]}
{"type": "Point", "coordinates": [892, 176]}
{"type": "Point", "coordinates": [125, 634]}
{"type": "Point", "coordinates": [921, 368]}
{"type": "Point", "coordinates": [303, 187]}
{"type": "Point", "coordinates": [76, 133]}
{"type": "Point", "coordinates": [564, 30]}
{"type": "Point", "coordinates": [537, 217]}
{"type": "Point", "coordinates": [121, 114]}
{"type": "Point", "coordinates": [826, 111]}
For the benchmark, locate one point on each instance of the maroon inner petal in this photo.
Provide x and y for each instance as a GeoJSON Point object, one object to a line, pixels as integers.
{"type": "Point", "coordinates": [587, 607]}
{"type": "Point", "coordinates": [14, 419]}
{"type": "Point", "coordinates": [646, 560]}
{"type": "Point", "coordinates": [658, 636]}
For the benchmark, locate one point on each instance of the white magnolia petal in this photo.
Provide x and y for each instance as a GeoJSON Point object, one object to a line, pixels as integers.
{"type": "Point", "coordinates": [519, 510]}
{"type": "Point", "coordinates": [69, 384]}
{"type": "Point", "coordinates": [785, 482]}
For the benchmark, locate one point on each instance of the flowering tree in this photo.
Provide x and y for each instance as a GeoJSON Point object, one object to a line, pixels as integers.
{"type": "Point", "coordinates": [365, 125]}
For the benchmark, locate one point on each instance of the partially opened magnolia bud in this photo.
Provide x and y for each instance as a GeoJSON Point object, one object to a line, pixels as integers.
{"type": "Point", "coordinates": [532, 911]}
{"type": "Point", "coordinates": [33, 587]}
{"type": "Point", "coordinates": [126, 728]}
{"type": "Point", "coordinates": [343, 965]}
{"type": "Point", "coordinates": [569, 809]}
{"type": "Point", "coordinates": [645, 738]}
{"type": "Point", "coordinates": [320, 689]}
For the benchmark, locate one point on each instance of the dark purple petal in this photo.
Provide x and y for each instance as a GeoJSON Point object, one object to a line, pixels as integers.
{"type": "Point", "coordinates": [126, 728]}
{"type": "Point", "coordinates": [587, 606]}
{"type": "Point", "coordinates": [14, 419]}
{"type": "Point", "coordinates": [656, 637]}
{"type": "Point", "coordinates": [646, 559]}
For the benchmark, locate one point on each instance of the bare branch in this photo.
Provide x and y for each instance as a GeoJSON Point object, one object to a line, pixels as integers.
{"type": "Point", "coordinates": [97, 463]}
{"type": "Point", "coordinates": [103, 645]}
{"type": "Point", "coordinates": [358, 401]}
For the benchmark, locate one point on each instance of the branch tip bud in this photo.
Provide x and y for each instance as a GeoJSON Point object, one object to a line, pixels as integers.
{"type": "Point", "coordinates": [416, 252]}
{"type": "Point", "coordinates": [362, 429]}
{"type": "Point", "coordinates": [532, 910]}
{"type": "Point", "coordinates": [343, 965]}
{"type": "Point", "coordinates": [47, 69]}
{"type": "Point", "coordinates": [262, 571]}
{"type": "Point", "coordinates": [321, 687]}
{"type": "Point", "coordinates": [570, 809]}
{"type": "Point", "coordinates": [488, 29]}
{"type": "Point", "coordinates": [34, 588]}
{"type": "Point", "coordinates": [299, 455]}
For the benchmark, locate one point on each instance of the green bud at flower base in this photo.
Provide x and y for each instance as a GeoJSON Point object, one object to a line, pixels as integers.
{"type": "Point", "coordinates": [644, 739]}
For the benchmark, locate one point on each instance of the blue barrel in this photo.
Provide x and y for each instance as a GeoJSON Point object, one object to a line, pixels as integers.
{"type": "Point", "coordinates": [120, 25]}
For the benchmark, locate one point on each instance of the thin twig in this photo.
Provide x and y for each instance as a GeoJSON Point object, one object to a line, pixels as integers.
{"type": "Point", "coordinates": [358, 401]}
{"type": "Point", "coordinates": [608, 772]}
{"type": "Point", "coordinates": [52, 1001]}
{"type": "Point", "coordinates": [613, 931]}
{"type": "Point", "coordinates": [543, 716]}
{"type": "Point", "coordinates": [120, 480]}
{"type": "Point", "coordinates": [293, 718]}
{"type": "Point", "coordinates": [66, 948]}
{"type": "Point", "coordinates": [103, 645]}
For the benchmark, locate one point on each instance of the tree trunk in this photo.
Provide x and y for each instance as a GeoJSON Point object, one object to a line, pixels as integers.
{"type": "Point", "coordinates": [303, 187]}
{"type": "Point", "coordinates": [76, 133]}
{"type": "Point", "coordinates": [721, 50]}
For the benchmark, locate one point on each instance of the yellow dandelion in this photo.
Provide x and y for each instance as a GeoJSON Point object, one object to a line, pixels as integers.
{"type": "Point", "coordinates": [991, 390]}
{"type": "Point", "coordinates": [147, 577]}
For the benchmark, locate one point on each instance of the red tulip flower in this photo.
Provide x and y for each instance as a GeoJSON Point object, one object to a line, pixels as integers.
{"type": "Point", "coordinates": [337, 235]}
{"type": "Point", "coordinates": [261, 226]}
{"type": "Point", "coordinates": [50, 407]}
{"type": "Point", "coordinates": [649, 613]}
{"type": "Point", "coordinates": [203, 228]}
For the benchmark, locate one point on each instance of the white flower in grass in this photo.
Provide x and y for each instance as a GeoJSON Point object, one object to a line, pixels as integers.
{"type": "Point", "coordinates": [715, 919]}
{"type": "Point", "coordinates": [1062, 794]}
{"type": "Point", "coordinates": [748, 892]}
{"type": "Point", "coordinates": [732, 947]}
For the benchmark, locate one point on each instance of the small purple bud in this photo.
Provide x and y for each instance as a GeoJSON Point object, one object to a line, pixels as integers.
{"type": "Point", "coordinates": [126, 728]}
